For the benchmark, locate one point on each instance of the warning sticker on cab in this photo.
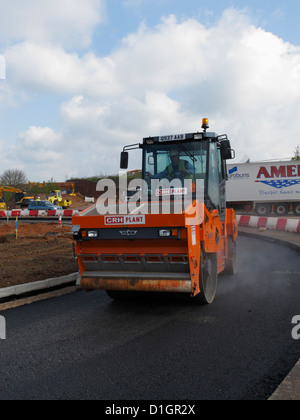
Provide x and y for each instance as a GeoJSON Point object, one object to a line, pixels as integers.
{"type": "Point", "coordinates": [170, 191]}
{"type": "Point", "coordinates": [125, 220]}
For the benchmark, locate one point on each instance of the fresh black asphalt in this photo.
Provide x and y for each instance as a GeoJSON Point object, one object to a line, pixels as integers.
{"type": "Point", "coordinates": [86, 346]}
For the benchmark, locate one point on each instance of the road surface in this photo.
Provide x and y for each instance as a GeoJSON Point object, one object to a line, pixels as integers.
{"type": "Point", "coordinates": [85, 346]}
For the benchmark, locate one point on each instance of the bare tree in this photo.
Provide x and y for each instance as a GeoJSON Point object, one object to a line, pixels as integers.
{"type": "Point", "coordinates": [13, 178]}
{"type": "Point", "coordinates": [297, 154]}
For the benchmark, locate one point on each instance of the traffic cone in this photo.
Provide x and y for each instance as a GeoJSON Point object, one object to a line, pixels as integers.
{"type": "Point", "coordinates": [60, 220]}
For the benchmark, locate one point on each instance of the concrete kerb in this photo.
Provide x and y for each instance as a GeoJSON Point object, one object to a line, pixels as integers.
{"type": "Point", "coordinates": [289, 390]}
{"type": "Point", "coordinates": [273, 236]}
{"type": "Point", "coordinates": [38, 286]}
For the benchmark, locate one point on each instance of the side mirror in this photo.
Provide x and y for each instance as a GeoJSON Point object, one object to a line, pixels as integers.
{"type": "Point", "coordinates": [226, 150]}
{"type": "Point", "coordinates": [124, 160]}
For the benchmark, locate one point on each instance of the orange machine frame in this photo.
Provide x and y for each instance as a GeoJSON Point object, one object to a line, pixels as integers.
{"type": "Point", "coordinates": [201, 232]}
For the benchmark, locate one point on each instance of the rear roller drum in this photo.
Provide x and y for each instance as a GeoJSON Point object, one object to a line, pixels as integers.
{"type": "Point", "coordinates": [231, 261]}
{"type": "Point", "coordinates": [208, 280]}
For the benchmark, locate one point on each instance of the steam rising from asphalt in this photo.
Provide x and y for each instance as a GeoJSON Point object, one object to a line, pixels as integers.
{"type": "Point", "coordinates": [262, 266]}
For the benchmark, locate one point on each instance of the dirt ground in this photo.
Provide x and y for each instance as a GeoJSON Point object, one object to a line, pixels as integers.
{"type": "Point", "coordinates": [42, 251]}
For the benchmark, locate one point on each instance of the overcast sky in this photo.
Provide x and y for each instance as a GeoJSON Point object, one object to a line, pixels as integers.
{"type": "Point", "coordinates": [83, 78]}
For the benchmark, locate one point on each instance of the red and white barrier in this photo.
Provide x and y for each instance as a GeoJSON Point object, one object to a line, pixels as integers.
{"type": "Point", "coordinates": [37, 213]}
{"type": "Point", "coordinates": [273, 223]}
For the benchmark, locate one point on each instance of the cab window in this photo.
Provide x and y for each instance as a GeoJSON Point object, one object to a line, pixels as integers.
{"type": "Point", "coordinates": [213, 177]}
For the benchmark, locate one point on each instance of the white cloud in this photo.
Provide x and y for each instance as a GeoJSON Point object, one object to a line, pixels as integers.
{"type": "Point", "coordinates": [6, 97]}
{"type": "Point", "coordinates": [67, 22]}
{"type": "Point", "coordinates": [169, 57]}
{"type": "Point", "coordinates": [41, 148]}
{"type": "Point", "coordinates": [44, 138]}
{"type": "Point", "coordinates": [49, 68]}
{"type": "Point", "coordinates": [38, 152]}
{"type": "Point", "coordinates": [163, 80]}
{"type": "Point", "coordinates": [2, 67]}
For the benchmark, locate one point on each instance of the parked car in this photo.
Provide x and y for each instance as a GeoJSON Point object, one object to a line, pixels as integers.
{"type": "Point", "coordinates": [43, 205]}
